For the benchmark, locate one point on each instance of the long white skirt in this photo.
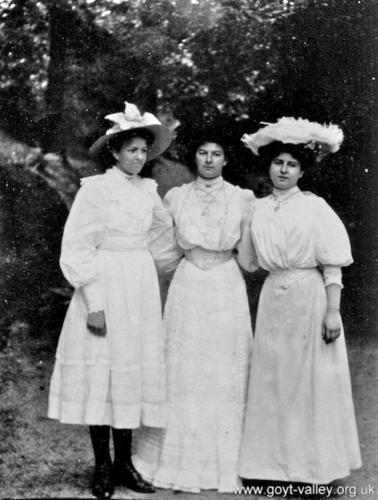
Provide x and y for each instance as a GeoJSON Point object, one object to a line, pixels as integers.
{"type": "Point", "coordinates": [300, 424]}
{"type": "Point", "coordinates": [208, 340]}
{"type": "Point", "coordinates": [119, 379]}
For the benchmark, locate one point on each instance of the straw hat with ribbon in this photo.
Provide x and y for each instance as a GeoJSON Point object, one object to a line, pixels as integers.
{"type": "Point", "coordinates": [132, 120]}
{"type": "Point", "coordinates": [321, 139]}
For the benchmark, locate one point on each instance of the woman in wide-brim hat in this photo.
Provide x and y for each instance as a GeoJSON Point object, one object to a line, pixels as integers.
{"type": "Point", "coordinates": [207, 330]}
{"type": "Point", "coordinates": [109, 369]}
{"type": "Point", "coordinates": [127, 124]}
{"type": "Point", "coordinates": [300, 424]}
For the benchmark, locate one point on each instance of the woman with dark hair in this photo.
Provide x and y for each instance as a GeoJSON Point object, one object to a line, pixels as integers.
{"type": "Point", "coordinates": [300, 424]}
{"type": "Point", "coordinates": [208, 333]}
{"type": "Point", "coordinates": [109, 369]}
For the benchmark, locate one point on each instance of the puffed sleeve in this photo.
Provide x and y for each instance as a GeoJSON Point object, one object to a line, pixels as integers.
{"type": "Point", "coordinates": [83, 233]}
{"type": "Point", "coordinates": [332, 275]}
{"type": "Point", "coordinates": [333, 245]}
{"type": "Point", "coordinates": [163, 245]}
{"type": "Point", "coordinates": [246, 253]}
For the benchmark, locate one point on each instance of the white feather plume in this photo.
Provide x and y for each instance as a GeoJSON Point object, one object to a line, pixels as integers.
{"type": "Point", "coordinates": [296, 131]}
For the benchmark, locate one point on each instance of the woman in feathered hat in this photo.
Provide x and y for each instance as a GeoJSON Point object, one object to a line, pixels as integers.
{"type": "Point", "coordinates": [208, 332]}
{"type": "Point", "coordinates": [300, 423]}
{"type": "Point", "coordinates": [109, 369]}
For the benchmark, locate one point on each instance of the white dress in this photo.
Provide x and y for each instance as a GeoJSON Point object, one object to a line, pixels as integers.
{"type": "Point", "coordinates": [118, 379]}
{"type": "Point", "coordinates": [300, 423]}
{"type": "Point", "coordinates": [208, 339]}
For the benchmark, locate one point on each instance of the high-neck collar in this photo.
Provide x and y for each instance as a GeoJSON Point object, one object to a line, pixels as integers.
{"type": "Point", "coordinates": [284, 194]}
{"type": "Point", "coordinates": [117, 171]}
{"type": "Point", "coordinates": [209, 184]}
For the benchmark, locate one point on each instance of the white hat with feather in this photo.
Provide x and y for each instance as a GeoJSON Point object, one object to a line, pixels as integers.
{"type": "Point", "coordinates": [322, 139]}
{"type": "Point", "coordinates": [132, 120]}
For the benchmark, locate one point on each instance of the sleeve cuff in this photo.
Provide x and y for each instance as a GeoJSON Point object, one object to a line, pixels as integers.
{"type": "Point", "coordinates": [92, 296]}
{"type": "Point", "coordinates": [332, 275]}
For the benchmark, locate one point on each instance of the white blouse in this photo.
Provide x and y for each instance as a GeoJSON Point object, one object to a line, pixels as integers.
{"type": "Point", "coordinates": [112, 211]}
{"type": "Point", "coordinates": [208, 213]}
{"type": "Point", "coordinates": [295, 230]}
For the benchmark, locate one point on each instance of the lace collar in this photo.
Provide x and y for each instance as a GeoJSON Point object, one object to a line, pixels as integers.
{"type": "Point", "coordinates": [208, 184]}
{"type": "Point", "coordinates": [283, 195]}
{"type": "Point", "coordinates": [117, 172]}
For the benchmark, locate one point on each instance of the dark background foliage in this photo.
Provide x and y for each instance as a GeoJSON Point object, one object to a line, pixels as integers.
{"type": "Point", "coordinates": [64, 64]}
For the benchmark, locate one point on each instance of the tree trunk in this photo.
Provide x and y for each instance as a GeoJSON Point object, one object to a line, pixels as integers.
{"type": "Point", "coordinates": [59, 34]}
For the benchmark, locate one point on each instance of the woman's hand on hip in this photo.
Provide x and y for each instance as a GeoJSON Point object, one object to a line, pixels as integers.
{"type": "Point", "coordinates": [332, 325]}
{"type": "Point", "coordinates": [96, 323]}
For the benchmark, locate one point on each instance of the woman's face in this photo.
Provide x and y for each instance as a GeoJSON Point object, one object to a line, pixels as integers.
{"type": "Point", "coordinates": [210, 160]}
{"type": "Point", "coordinates": [285, 171]}
{"type": "Point", "coordinates": [132, 155]}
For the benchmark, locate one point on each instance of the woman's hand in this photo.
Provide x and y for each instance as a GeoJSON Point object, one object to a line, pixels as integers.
{"type": "Point", "coordinates": [96, 323]}
{"type": "Point", "coordinates": [332, 325]}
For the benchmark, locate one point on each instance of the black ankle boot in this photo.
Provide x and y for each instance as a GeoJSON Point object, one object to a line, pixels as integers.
{"type": "Point", "coordinates": [102, 484]}
{"type": "Point", "coordinates": [124, 472]}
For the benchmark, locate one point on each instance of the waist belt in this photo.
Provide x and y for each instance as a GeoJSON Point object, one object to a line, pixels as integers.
{"type": "Point", "coordinates": [122, 246]}
{"type": "Point", "coordinates": [285, 278]}
{"type": "Point", "coordinates": [207, 259]}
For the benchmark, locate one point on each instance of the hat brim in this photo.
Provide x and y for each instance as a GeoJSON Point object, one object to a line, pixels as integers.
{"type": "Point", "coordinates": [162, 139]}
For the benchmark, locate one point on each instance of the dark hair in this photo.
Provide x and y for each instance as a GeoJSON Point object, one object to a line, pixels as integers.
{"type": "Point", "coordinates": [116, 142]}
{"type": "Point", "coordinates": [105, 157]}
{"type": "Point", "coordinates": [195, 145]}
{"type": "Point", "coordinates": [302, 154]}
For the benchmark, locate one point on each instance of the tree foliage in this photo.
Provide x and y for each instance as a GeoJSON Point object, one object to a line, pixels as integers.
{"type": "Point", "coordinates": [199, 57]}
{"type": "Point", "coordinates": [325, 70]}
{"type": "Point", "coordinates": [23, 63]}
{"type": "Point", "coordinates": [67, 63]}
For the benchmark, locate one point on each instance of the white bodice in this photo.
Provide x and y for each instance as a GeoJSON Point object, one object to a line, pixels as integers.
{"type": "Point", "coordinates": [111, 211]}
{"type": "Point", "coordinates": [208, 214]}
{"type": "Point", "coordinates": [296, 230]}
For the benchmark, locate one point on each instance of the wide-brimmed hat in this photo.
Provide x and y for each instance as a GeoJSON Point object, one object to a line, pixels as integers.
{"type": "Point", "coordinates": [321, 139]}
{"type": "Point", "coordinates": [132, 120]}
